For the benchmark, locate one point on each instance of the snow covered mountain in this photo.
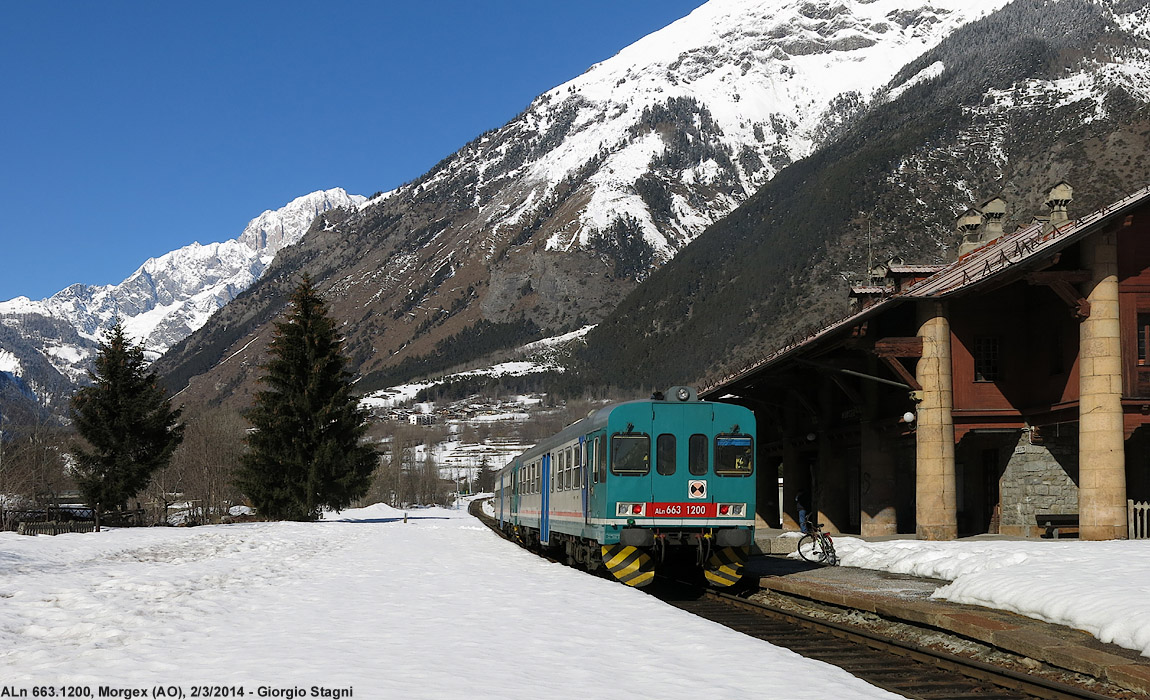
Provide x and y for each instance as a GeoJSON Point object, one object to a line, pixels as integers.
{"type": "Point", "coordinates": [1008, 106]}
{"type": "Point", "coordinates": [676, 130]}
{"type": "Point", "coordinates": [545, 224]}
{"type": "Point", "coordinates": [160, 303]}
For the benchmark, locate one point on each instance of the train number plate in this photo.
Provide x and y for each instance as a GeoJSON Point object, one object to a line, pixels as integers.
{"type": "Point", "coordinates": [681, 510]}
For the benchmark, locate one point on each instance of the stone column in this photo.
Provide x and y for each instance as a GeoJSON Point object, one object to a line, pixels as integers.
{"type": "Point", "coordinates": [935, 505]}
{"type": "Point", "coordinates": [877, 515]}
{"type": "Point", "coordinates": [832, 487]}
{"type": "Point", "coordinates": [1101, 440]}
{"type": "Point", "coordinates": [795, 479]}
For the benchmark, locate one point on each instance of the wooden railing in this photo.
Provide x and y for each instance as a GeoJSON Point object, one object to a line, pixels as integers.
{"type": "Point", "coordinates": [1138, 520]}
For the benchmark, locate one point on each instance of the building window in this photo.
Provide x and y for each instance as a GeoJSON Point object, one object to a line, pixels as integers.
{"type": "Point", "coordinates": [986, 359]}
{"type": "Point", "coordinates": [1144, 339]}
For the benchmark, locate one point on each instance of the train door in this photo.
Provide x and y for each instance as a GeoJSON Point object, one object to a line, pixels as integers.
{"type": "Point", "coordinates": [514, 486]}
{"type": "Point", "coordinates": [681, 436]}
{"type": "Point", "coordinates": [499, 495]}
{"type": "Point", "coordinates": [597, 480]}
{"type": "Point", "coordinates": [545, 508]}
{"type": "Point", "coordinates": [584, 466]}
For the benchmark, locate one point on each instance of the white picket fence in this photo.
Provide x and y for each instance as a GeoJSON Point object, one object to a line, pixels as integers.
{"type": "Point", "coordinates": [1138, 520]}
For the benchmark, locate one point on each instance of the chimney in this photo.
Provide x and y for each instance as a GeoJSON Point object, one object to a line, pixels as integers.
{"type": "Point", "coordinates": [993, 211]}
{"type": "Point", "coordinates": [968, 225]}
{"type": "Point", "coordinates": [1060, 196]}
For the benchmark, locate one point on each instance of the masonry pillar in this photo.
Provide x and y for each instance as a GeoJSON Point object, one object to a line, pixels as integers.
{"type": "Point", "coordinates": [935, 506]}
{"type": "Point", "coordinates": [832, 486]}
{"type": "Point", "coordinates": [1101, 440]}
{"type": "Point", "coordinates": [795, 478]}
{"type": "Point", "coordinates": [877, 513]}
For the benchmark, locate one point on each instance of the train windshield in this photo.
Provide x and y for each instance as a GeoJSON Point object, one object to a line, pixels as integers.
{"type": "Point", "coordinates": [631, 453]}
{"type": "Point", "coordinates": [734, 455]}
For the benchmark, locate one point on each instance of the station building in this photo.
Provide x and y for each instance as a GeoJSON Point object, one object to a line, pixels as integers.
{"type": "Point", "coordinates": [974, 397]}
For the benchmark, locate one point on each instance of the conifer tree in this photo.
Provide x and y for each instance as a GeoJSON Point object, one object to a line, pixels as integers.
{"type": "Point", "coordinates": [305, 450]}
{"type": "Point", "coordinates": [127, 422]}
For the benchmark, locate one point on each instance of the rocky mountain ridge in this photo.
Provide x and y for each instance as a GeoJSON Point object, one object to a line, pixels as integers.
{"type": "Point", "coordinates": [543, 225]}
{"type": "Point", "coordinates": [50, 342]}
{"type": "Point", "coordinates": [1007, 106]}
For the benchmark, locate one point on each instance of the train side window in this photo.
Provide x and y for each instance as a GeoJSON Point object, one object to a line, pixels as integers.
{"type": "Point", "coordinates": [601, 447]}
{"type": "Point", "coordinates": [697, 462]}
{"type": "Point", "coordinates": [563, 459]}
{"type": "Point", "coordinates": [631, 454]}
{"type": "Point", "coordinates": [571, 476]}
{"type": "Point", "coordinates": [734, 455]}
{"type": "Point", "coordinates": [665, 454]}
{"type": "Point", "coordinates": [577, 466]}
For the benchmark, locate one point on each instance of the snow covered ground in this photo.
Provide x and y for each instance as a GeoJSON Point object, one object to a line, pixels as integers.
{"type": "Point", "coordinates": [1100, 587]}
{"type": "Point", "coordinates": [439, 607]}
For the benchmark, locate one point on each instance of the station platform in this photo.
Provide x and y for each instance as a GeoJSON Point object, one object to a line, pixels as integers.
{"type": "Point", "coordinates": [907, 599]}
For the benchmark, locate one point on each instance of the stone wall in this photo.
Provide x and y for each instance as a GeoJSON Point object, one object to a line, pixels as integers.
{"type": "Point", "coordinates": [1039, 479]}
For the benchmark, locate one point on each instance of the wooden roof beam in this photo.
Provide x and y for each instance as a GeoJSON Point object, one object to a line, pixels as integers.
{"type": "Point", "coordinates": [1062, 282]}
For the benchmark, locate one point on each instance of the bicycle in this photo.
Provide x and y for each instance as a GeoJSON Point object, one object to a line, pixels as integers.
{"type": "Point", "coordinates": [817, 547]}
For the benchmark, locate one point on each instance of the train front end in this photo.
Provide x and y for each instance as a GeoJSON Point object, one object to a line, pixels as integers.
{"type": "Point", "coordinates": [678, 485]}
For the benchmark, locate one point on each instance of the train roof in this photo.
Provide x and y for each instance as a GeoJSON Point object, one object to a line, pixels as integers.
{"type": "Point", "coordinates": [598, 418]}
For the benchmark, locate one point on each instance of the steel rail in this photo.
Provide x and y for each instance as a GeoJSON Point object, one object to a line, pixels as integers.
{"type": "Point", "coordinates": [1035, 686]}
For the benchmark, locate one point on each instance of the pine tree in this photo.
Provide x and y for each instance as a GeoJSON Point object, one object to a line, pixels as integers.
{"type": "Point", "coordinates": [127, 422]}
{"type": "Point", "coordinates": [305, 450]}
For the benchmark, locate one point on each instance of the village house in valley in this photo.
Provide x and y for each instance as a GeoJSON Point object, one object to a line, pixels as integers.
{"type": "Point", "coordinates": [1007, 392]}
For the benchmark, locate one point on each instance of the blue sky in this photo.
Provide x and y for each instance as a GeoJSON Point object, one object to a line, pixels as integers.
{"type": "Point", "coordinates": [133, 128]}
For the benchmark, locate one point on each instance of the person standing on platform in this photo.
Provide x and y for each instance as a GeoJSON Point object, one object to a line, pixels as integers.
{"type": "Point", "coordinates": [802, 500]}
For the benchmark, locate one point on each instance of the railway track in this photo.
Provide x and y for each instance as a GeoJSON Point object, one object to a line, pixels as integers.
{"type": "Point", "coordinates": [903, 667]}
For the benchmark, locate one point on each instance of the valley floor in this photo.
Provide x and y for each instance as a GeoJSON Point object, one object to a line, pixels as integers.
{"type": "Point", "coordinates": [439, 607]}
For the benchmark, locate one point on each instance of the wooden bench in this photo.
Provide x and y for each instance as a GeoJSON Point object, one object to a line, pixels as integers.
{"type": "Point", "coordinates": [1057, 524]}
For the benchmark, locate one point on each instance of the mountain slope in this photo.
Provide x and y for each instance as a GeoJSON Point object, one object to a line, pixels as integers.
{"type": "Point", "coordinates": [52, 341]}
{"type": "Point", "coordinates": [545, 224]}
{"type": "Point", "coordinates": [1007, 106]}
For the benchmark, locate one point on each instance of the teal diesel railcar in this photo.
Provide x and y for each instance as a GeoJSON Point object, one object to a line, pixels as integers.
{"type": "Point", "coordinates": [639, 483]}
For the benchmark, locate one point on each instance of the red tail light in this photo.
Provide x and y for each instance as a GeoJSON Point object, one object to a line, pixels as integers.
{"type": "Point", "coordinates": [637, 508]}
{"type": "Point", "coordinates": [724, 509]}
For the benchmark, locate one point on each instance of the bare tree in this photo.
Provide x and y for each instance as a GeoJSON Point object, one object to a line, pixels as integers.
{"type": "Point", "coordinates": [201, 472]}
{"type": "Point", "coordinates": [34, 468]}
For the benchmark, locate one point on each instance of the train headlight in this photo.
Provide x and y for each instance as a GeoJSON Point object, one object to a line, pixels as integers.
{"type": "Point", "coordinates": [733, 510]}
{"type": "Point", "coordinates": [622, 509]}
